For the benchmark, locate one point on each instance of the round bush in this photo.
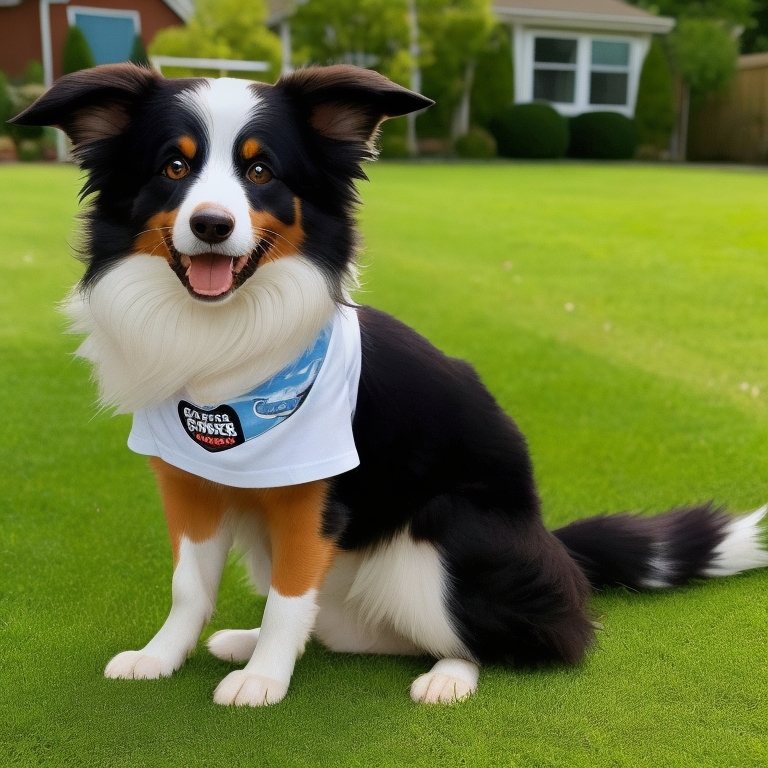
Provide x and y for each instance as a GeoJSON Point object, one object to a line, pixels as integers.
{"type": "Point", "coordinates": [77, 53]}
{"type": "Point", "coordinates": [603, 136]}
{"type": "Point", "coordinates": [393, 147]}
{"type": "Point", "coordinates": [6, 104]}
{"type": "Point", "coordinates": [530, 131]}
{"type": "Point", "coordinates": [476, 144]}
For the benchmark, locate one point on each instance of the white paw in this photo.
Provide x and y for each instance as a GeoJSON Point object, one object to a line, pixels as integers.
{"type": "Point", "coordinates": [233, 644]}
{"type": "Point", "coordinates": [244, 689]}
{"type": "Point", "coordinates": [436, 688]}
{"type": "Point", "coordinates": [136, 665]}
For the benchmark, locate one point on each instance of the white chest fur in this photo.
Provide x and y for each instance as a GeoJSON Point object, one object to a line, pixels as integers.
{"type": "Point", "coordinates": [148, 338]}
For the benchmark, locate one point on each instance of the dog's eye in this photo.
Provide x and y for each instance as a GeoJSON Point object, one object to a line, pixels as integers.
{"type": "Point", "coordinates": [176, 168]}
{"type": "Point", "coordinates": [259, 174]}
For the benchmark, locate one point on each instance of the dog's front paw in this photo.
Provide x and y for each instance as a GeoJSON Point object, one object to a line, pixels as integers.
{"type": "Point", "coordinates": [233, 644]}
{"type": "Point", "coordinates": [136, 665]}
{"type": "Point", "coordinates": [244, 689]}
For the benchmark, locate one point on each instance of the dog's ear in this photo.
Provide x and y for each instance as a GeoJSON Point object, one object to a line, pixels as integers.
{"type": "Point", "coordinates": [92, 104]}
{"type": "Point", "coordinates": [348, 103]}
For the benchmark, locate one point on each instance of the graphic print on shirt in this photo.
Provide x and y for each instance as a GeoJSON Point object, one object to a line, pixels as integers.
{"type": "Point", "coordinates": [225, 426]}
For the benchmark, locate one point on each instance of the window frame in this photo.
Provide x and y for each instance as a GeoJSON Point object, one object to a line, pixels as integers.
{"type": "Point", "coordinates": [525, 66]}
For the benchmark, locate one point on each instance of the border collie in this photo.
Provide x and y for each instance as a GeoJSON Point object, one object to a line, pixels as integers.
{"type": "Point", "coordinates": [384, 501]}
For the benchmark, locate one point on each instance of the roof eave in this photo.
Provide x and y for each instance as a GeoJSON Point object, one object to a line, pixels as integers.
{"type": "Point", "coordinates": [656, 25]}
{"type": "Point", "coordinates": [182, 8]}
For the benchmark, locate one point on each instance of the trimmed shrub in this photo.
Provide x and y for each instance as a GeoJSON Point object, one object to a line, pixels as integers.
{"type": "Point", "coordinates": [139, 52]}
{"type": "Point", "coordinates": [24, 95]}
{"type": "Point", "coordinates": [393, 147]}
{"type": "Point", "coordinates": [655, 110]}
{"type": "Point", "coordinates": [77, 52]}
{"type": "Point", "coordinates": [477, 144]}
{"type": "Point", "coordinates": [530, 131]}
{"type": "Point", "coordinates": [493, 88]}
{"type": "Point", "coordinates": [29, 150]}
{"type": "Point", "coordinates": [602, 136]}
{"type": "Point", "coordinates": [33, 73]}
{"type": "Point", "coordinates": [7, 110]}
{"type": "Point", "coordinates": [392, 140]}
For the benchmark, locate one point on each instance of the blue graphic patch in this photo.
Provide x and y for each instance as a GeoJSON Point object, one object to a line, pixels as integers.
{"type": "Point", "coordinates": [232, 423]}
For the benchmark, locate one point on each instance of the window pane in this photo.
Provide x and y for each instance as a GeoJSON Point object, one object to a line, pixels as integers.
{"type": "Point", "coordinates": [610, 54]}
{"type": "Point", "coordinates": [608, 88]}
{"type": "Point", "coordinates": [555, 50]}
{"type": "Point", "coordinates": [554, 85]}
{"type": "Point", "coordinates": [109, 37]}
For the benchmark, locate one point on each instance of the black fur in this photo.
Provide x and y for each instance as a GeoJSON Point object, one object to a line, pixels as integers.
{"type": "Point", "coordinates": [619, 550]}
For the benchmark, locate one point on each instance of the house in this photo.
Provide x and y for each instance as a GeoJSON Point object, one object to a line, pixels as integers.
{"type": "Point", "coordinates": [579, 55]}
{"type": "Point", "coordinates": [35, 30]}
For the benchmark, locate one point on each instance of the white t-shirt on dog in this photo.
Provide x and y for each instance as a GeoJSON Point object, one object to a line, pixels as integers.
{"type": "Point", "coordinates": [294, 428]}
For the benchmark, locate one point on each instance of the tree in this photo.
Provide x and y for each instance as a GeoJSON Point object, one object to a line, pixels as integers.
{"type": "Point", "coordinates": [223, 29]}
{"type": "Point", "coordinates": [702, 48]}
{"type": "Point", "coordinates": [733, 12]}
{"type": "Point", "coordinates": [493, 90]}
{"type": "Point", "coordinates": [754, 39]}
{"type": "Point", "coordinates": [704, 56]}
{"type": "Point", "coordinates": [369, 33]}
{"type": "Point", "coordinates": [402, 39]}
{"type": "Point", "coordinates": [77, 52]}
{"type": "Point", "coordinates": [453, 34]}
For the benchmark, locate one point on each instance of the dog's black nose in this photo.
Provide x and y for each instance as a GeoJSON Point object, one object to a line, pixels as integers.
{"type": "Point", "coordinates": [212, 225]}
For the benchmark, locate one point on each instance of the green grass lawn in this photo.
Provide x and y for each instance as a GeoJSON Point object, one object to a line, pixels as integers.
{"type": "Point", "coordinates": [619, 313]}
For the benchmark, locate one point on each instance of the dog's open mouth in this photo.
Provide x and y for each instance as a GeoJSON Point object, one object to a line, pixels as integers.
{"type": "Point", "coordinates": [212, 276]}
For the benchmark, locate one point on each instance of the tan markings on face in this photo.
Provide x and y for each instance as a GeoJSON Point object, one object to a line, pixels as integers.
{"type": "Point", "coordinates": [250, 149]}
{"type": "Point", "coordinates": [301, 554]}
{"type": "Point", "coordinates": [188, 147]}
{"type": "Point", "coordinates": [152, 239]}
{"type": "Point", "coordinates": [286, 239]}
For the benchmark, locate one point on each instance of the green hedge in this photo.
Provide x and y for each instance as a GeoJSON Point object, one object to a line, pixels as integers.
{"type": "Point", "coordinates": [77, 52]}
{"type": "Point", "coordinates": [493, 87]}
{"type": "Point", "coordinates": [478, 144]}
{"type": "Point", "coordinates": [655, 110]}
{"type": "Point", "coordinates": [139, 52]}
{"type": "Point", "coordinates": [602, 136]}
{"type": "Point", "coordinates": [534, 131]}
{"type": "Point", "coordinates": [7, 110]}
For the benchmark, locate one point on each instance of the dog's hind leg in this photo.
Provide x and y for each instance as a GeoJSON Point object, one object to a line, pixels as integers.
{"type": "Point", "coordinates": [200, 545]}
{"type": "Point", "coordinates": [233, 644]}
{"type": "Point", "coordinates": [448, 681]}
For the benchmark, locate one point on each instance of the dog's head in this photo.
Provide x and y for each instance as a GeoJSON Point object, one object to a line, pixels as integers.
{"type": "Point", "coordinates": [219, 177]}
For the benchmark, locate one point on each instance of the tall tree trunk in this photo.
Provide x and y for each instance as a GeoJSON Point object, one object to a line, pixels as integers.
{"type": "Point", "coordinates": [461, 116]}
{"type": "Point", "coordinates": [415, 51]}
{"type": "Point", "coordinates": [685, 109]}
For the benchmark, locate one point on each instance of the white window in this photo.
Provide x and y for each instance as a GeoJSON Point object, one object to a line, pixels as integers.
{"type": "Point", "coordinates": [609, 73]}
{"type": "Point", "coordinates": [554, 69]}
{"type": "Point", "coordinates": [578, 72]}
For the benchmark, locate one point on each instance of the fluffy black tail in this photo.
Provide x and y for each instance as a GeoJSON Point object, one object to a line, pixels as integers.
{"type": "Point", "coordinates": [666, 550]}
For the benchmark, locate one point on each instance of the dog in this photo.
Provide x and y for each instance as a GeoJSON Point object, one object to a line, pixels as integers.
{"type": "Point", "coordinates": [383, 500]}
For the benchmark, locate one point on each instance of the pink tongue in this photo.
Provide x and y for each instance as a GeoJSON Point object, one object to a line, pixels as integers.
{"type": "Point", "coordinates": [210, 274]}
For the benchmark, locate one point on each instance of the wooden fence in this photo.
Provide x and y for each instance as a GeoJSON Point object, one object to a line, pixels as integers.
{"type": "Point", "coordinates": [733, 126]}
